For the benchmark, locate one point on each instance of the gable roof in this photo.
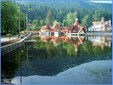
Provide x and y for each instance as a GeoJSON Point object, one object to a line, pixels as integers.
{"type": "Point", "coordinates": [57, 27]}
{"type": "Point", "coordinates": [46, 27]}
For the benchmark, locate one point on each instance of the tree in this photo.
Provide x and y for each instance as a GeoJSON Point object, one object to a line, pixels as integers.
{"type": "Point", "coordinates": [97, 15]}
{"type": "Point", "coordinates": [56, 22]}
{"type": "Point", "coordinates": [22, 21]}
{"type": "Point", "coordinates": [49, 17]}
{"type": "Point", "coordinates": [69, 19]}
{"type": "Point", "coordinates": [36, 24]}
{"type": "Point", "coordinates": [42, 22]}
{"type": "Point", "coordinates": [10, 17]}
{"type": "Point", "coordinates": [87, 20]}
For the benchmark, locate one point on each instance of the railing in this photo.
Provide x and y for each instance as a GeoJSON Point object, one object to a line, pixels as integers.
{"type": "Point", "coordinates": [10, 47]}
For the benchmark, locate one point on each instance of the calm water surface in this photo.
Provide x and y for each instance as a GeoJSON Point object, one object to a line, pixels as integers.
{"type": "Point", "coordinates": [60, 60]}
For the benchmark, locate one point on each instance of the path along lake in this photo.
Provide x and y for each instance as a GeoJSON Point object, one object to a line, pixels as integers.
{"type": "Point", "coordinates": [60, 60]}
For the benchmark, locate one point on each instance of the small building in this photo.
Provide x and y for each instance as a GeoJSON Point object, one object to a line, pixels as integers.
{"type": "Point", "coordinates": [46, 28]}
{"type": "Point", "coordinates": [57, 28]}
{"type": "Point", "coordinates": [76, 28]}
{"type": "Point", "coordinates": [29, 24]}
{"type": "Point", "coordinates": [101, 26]}
{"type": "Point", "coordinates": [64, 30]}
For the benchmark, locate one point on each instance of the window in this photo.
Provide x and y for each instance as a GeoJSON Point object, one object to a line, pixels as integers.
{"type": "Point", "coordinates": [74, 30]}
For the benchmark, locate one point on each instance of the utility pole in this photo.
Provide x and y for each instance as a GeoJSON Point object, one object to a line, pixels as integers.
{"type": "Point", "coordinates": [26, 19]}
{"type": "Point", "coordinates": [19, 16]}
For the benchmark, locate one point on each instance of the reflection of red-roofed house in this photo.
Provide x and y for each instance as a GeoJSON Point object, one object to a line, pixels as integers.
{"type": "Point", "coordinates": [64, 38]}
{"type": "Point", "coordinates": [56, 40]}
{"type": "Point", "coordinates": [76, 41]}
{"type": "Point", "coordinates": [45, 39]}
{"type": "Point", "coordinates": [53, 38]}
{"type": "Point", "coordinates": [108, 38]}
{"type": "Point", "coordinates": [46, 28]}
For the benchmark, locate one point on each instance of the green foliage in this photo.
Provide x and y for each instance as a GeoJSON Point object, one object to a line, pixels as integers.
{"type": "Point", "coordinates": [10, 17]}
{"type": "Point", "coordinates": [56, 22]}
{"type": "Point", "coordinates": [49, 17]}
{"type": "Point", "coordinates": [22, 21]}
{"type": "Point", "coordinates": [36, 24]}
{"type": "Point", "coordinates": [99, 14]}
{"type": "Point", "coordinates": [69, 49]}
{"type": "Point", "coordinates": [12, 61]}
{"type": "Point", "coordinates": [42, 22]}
{"type": "Point", "coordinates": [70, 19]}
{"type": "Point", "coordinates": [87, 20]}
{"type": "Point", "coordinates": [65, 12]}
{"type": "Point", "coordinates": [51, 13]}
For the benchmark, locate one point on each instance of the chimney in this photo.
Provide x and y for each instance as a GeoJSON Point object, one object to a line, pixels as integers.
{"type": "Point", "coordinates": [76, 22]}
{"type": "Point", "coordinates": [109, 22]}
{"type": "Point", "coordinates": [102, 20]}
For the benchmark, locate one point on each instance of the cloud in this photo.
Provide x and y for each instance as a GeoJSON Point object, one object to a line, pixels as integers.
{"type": "Point", "coordinates": [107, 2]}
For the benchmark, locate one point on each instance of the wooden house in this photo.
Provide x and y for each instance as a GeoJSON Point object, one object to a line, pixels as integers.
{"type": "Point", "coordinates": [76, 28]}
{"type": "Point", "coordinates": [57, 28]}
{"type": "Point", "coordinates": [46, 28]}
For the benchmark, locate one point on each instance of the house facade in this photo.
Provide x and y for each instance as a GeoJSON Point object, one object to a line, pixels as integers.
{"type": "Point", "coordinates": [74, 30]}
{"type": "Point", "coordinates": [101, 26]}
{"type": "Point", "coordinates": [56, 28]}
{"type": "Point", "coordinates": [46, 28]}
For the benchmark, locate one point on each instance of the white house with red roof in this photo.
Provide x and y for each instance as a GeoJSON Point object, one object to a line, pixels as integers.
{"type": "Point", "coordinates": [101, 26]}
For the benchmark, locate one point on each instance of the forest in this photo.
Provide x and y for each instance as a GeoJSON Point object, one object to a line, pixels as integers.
{"type": "Point", "coordinates": [39, 13]}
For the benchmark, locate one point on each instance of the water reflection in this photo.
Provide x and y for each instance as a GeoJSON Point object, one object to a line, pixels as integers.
{"type": "Point", "coordinates": [96, 72]}
{"type": "Point", "coordinates": [101, 41]}
{"type": "Point", "coordinates": [11, 62]}
{"type": "Point", "coordinates": [51, 56]}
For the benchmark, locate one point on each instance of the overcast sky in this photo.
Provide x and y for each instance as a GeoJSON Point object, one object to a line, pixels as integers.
{"type": "Point", "coordinates": [102, 1]}
{"type": "Point", "coordinates": [56, 0]}
{"type": "Point", "coordinates": [94, 1]}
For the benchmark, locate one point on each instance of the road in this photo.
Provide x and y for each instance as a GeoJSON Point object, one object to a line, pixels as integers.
{"type": "Point", "coordinates": [6, 39]}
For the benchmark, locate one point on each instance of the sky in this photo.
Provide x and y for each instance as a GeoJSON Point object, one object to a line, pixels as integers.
{"type": "Point", "coordinates": [65, 0]}
{"type": "Point", "coordinates": [102, 1]}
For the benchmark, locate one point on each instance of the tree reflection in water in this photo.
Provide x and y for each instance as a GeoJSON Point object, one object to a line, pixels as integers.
{"type": "Point", "coordinates": [52, 55]}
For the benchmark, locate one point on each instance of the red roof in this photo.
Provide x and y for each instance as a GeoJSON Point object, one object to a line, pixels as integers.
{"type": "Point", "coordinates": [75, 29]}
{"type": "Point", "coordinates": [57, 27]}
{"type": "Point", "coordinates": [46, 27]}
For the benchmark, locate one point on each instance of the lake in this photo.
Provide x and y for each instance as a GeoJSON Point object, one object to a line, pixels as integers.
{"type": "Point", "coordinates": [60, 60]}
